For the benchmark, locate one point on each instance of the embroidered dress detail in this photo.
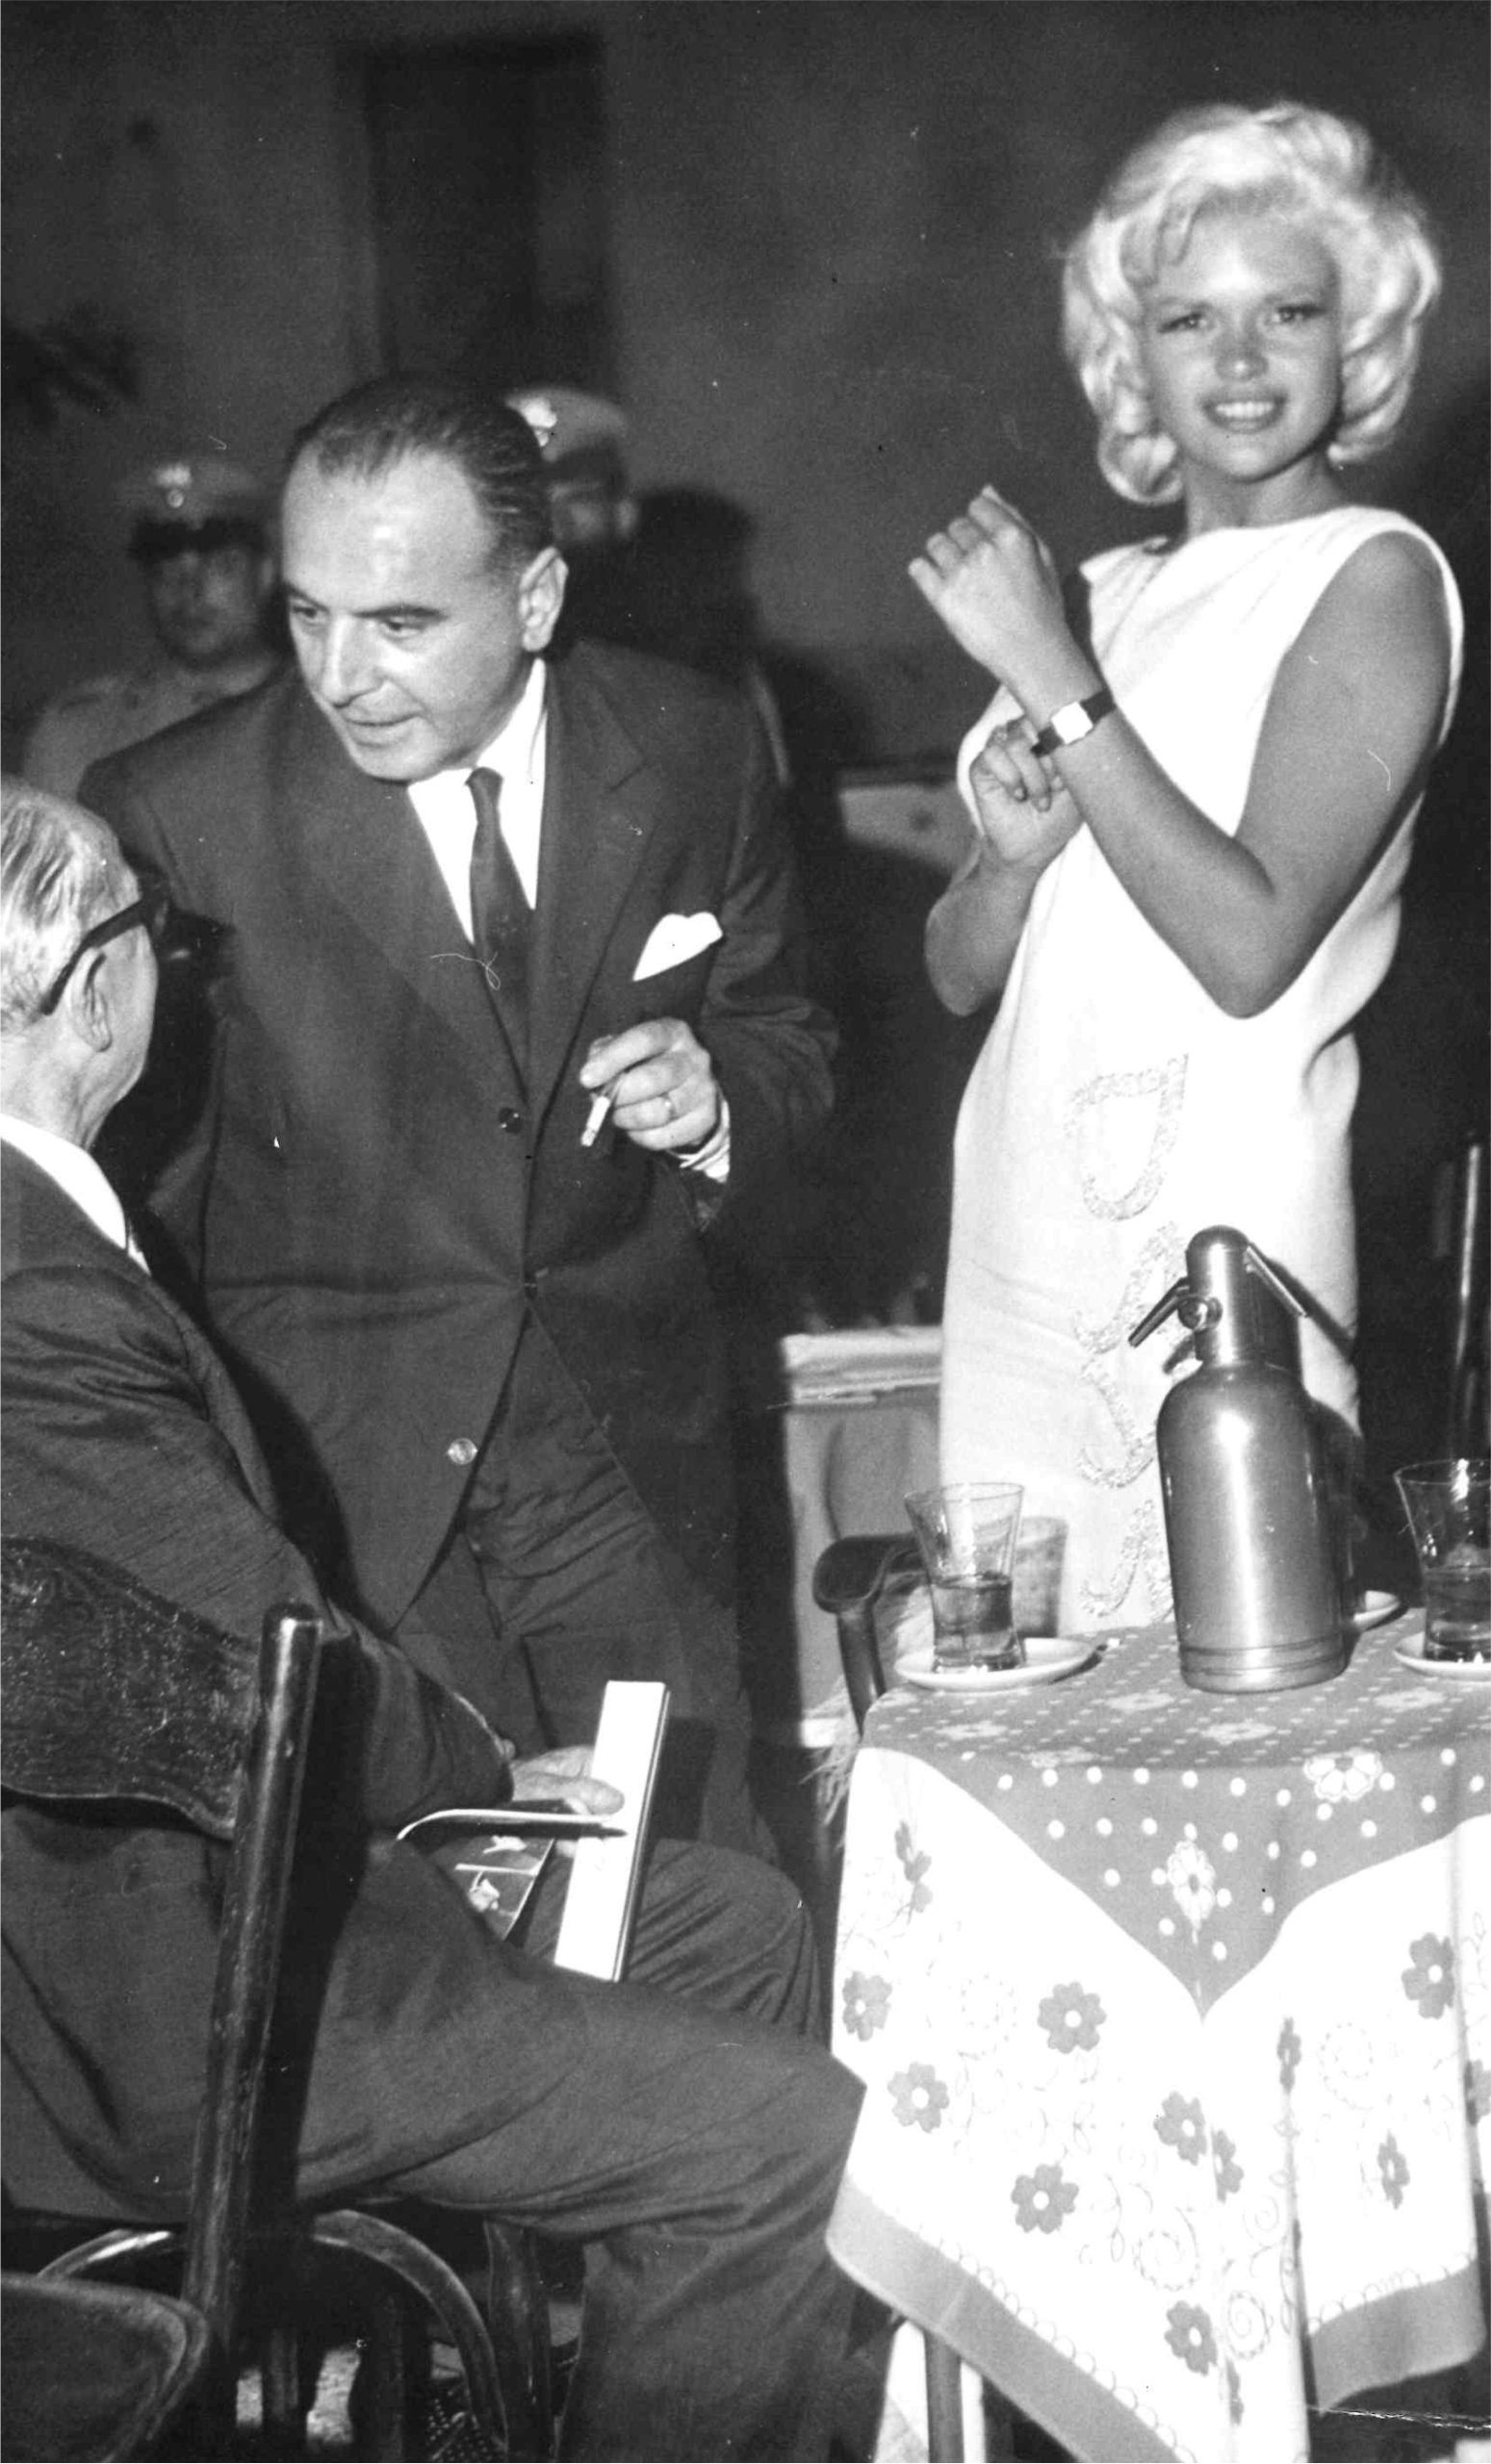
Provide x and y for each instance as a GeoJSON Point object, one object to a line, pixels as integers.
{"type": "Point", "coordinates": [1167, 1084]}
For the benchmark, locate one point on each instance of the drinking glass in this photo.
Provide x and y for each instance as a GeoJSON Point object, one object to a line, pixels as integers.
{"type": "Point", "coordinates": [1039, 1555]}
{"type": "Point", "coordinates": [1449, 1508]}
{"type": "Point", "coordinates": [966, 1534]}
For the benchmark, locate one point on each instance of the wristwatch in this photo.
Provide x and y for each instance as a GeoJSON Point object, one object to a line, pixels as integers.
{"type": "Point", "coordinates": [1073, 721]}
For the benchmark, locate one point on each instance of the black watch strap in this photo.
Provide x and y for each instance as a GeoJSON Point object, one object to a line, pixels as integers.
{"type": "Point", "coordinates": [1073, 721]}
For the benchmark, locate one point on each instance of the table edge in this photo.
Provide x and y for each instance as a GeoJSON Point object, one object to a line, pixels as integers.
{"type": "Point", "coordinates": [919, 2282]}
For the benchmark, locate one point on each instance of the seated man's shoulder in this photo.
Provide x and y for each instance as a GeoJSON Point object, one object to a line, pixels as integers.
{"type": "Point", "coordinates": [59, 1270]}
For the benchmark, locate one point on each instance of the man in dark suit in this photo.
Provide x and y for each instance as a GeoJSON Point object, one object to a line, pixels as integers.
{"type": "Point", "coordinates": [693, 2147]}
{"type": "Point", "coordinates": [512, 1015]}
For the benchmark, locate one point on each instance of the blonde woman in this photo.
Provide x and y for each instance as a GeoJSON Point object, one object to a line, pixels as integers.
{"type": "Point", "coordinates": [1194, 794]}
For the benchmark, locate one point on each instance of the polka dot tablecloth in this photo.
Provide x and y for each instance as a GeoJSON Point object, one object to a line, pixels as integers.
{"type": "Point", "coordinates": [1174, 2013]}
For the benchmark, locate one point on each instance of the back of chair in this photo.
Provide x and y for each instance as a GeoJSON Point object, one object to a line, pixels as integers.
{"type": "Point", "coordinates": [112, 1692]}
{"type": "Point", "coordinates": [248, 1961]}
{"type": "Point", "coordinates": [848, 1581]}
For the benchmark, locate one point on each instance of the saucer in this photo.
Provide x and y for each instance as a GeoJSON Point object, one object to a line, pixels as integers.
{"type": "Point", "coordinates": [1376, 1607]}
{"type": "Point", "coordinates": [1047, 1657]}
{"type": "Point", "coordinates": [1412, 1656]}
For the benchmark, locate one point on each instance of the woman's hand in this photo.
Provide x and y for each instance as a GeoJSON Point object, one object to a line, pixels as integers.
{"type": "Point", "coordinates": [995, 588]}
{"type": "Point", "coordinates": [1023, 816]}
{"type": "Point", "coordinates": [1024, 812]}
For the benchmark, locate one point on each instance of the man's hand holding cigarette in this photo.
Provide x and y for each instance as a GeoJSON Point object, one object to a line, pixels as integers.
{"type": "Point", "coordinates": [658, 1083]}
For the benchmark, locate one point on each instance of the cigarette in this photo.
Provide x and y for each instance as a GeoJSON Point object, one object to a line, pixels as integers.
{"type": "Point", "coordinates": [600, 1106]}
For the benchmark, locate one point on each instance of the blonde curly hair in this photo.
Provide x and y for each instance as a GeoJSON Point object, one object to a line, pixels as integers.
{"type": "Point", "coordinates": [1304, 164]}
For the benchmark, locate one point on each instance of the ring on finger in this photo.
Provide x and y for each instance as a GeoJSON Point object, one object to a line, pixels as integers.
{"type": "Point", "coordinates": [668, 1101]}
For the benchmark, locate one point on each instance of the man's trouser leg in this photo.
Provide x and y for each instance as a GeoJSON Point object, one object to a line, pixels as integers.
{"type": "Point", "coordinates": [581, 1588]}
{"type": "Point", "coordinates": [695, 2151]}
{"type": "Point", "coordinates": [697, 2157]}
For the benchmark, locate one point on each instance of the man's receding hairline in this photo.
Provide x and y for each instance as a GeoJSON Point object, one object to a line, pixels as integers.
{"type": "Point", "coordinates": [309, 457]}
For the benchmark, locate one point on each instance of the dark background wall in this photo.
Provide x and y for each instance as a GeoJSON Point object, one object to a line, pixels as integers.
{"type": "Point", "coordinates": [811, 246]}
{"type": "Point", "coordinates": [825, 258]}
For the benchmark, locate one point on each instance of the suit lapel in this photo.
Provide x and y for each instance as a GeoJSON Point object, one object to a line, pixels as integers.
{"type": "Point", "coordinates": [362, 838]}
{"type": "Point", "coordinates": [601, 803]}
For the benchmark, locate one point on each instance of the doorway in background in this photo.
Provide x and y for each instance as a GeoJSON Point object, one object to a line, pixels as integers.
{"type": "Point", "coordinates": [488, 211]}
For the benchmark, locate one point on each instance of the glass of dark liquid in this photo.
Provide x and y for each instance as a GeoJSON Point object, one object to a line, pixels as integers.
{"type": "Point", "coordinates": [966, 1535]}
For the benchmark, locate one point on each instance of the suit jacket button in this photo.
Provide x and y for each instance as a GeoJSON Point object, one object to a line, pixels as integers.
{"type": "Point", "coordinates": [462, 1450]}
{"type": "Point", "coordinates": [510, 1121]}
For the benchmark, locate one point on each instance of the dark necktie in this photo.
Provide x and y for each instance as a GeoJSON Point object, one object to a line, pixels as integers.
{"type": "Point", "coordinates": [500, 916]}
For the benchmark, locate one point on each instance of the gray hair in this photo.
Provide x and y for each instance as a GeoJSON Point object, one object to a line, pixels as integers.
{"type": "Point", "coordinates": [1305, 166]}
{"type": "Point", "coordinates": [58, 867]}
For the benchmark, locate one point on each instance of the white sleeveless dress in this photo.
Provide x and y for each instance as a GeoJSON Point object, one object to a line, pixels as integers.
{"type": "Point", "coordinates": [1115, 1110]}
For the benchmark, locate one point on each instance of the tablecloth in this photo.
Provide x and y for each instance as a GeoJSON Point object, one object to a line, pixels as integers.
{"type": "Point", "coordinates": [1174, 2010]}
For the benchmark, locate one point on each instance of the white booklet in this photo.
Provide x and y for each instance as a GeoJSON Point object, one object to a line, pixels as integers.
{"type": "Point", "coordinates": [601, 1899]}
{"type": "Point", "coordinates": [495, 1853]}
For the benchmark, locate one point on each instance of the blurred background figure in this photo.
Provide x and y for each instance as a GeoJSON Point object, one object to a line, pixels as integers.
{"type": "Point", "coordinates": [584, 439]}
{"type": "Point", "coordinates": [664, 572]}
{"type": "Point", "coordinates": [594, 510]}
{"type": "Point", "coordinates": [690, 589]}
{"type": "Point", "coordinates": [201, 536]}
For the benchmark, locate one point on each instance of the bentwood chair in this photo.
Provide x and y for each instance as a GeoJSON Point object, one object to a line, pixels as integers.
{"type": "Point", "coordinates": [92, 2370]}
{"type": "Point", "coordinates": [114, 1694]}
{"type": "Point", "coordinates": [852, 1580]}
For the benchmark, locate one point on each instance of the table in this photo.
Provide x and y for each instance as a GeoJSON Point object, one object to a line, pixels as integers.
{"type": "Point", "coordinates": [1174, 2015]}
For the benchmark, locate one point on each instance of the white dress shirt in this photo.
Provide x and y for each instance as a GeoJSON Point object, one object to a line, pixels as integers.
{"type": "Point", "coordinates": [519, 755]}
{"type": "Point", "coordinates": [75, 1173]}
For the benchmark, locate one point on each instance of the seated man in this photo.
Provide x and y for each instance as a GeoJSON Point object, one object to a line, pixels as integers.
{"type": "Point", "coordinates": [691, 2145]}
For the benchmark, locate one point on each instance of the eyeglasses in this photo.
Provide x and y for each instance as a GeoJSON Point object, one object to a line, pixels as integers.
{"type": "Point", "coordinates": [150, 909]}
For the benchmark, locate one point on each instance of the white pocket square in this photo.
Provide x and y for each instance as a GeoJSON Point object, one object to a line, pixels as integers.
{"type": "Point", "coordinates": [675, 938]}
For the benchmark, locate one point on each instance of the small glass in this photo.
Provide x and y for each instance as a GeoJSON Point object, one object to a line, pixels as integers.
{"type": "Point", "coordinates": [1449, 1508]}
{"type": "Point", "coordinates": [1039, 1555]}
{"type": "Point", "coordinates": [966, 1534]}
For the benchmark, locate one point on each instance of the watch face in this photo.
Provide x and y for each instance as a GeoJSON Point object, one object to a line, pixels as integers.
{"type": "Point", "coordinates": [1073, 721]}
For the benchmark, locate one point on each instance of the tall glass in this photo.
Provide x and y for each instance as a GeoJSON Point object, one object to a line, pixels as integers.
{"type": "Point", "coordinates": [1449, 1508]}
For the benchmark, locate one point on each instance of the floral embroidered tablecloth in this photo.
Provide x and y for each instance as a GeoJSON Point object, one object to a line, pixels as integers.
{"type": "Point", "coordinates": [1174, 2012]}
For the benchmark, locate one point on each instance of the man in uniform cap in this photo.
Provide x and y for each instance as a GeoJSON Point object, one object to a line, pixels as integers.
{"type": "Point", "coordinates": [660, 573]}
{"type": "Point", "coordinates": [594, 512]}
{"type": "Point", "coordinates": [584, 439]}
{"type": "Point", "coordinates": [200, 538]}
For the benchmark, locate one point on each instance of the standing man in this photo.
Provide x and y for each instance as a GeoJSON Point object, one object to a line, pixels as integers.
{"type": "Point", "coordinates": [200, 538]}
{"type": "Point", "coordinates": [511, 1013]}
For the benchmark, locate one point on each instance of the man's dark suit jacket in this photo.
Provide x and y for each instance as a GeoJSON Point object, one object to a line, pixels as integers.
{"type": "Point", "coordinates": [122, 1433]}
{"type": "Point", "coordinates": [378, 1200]}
